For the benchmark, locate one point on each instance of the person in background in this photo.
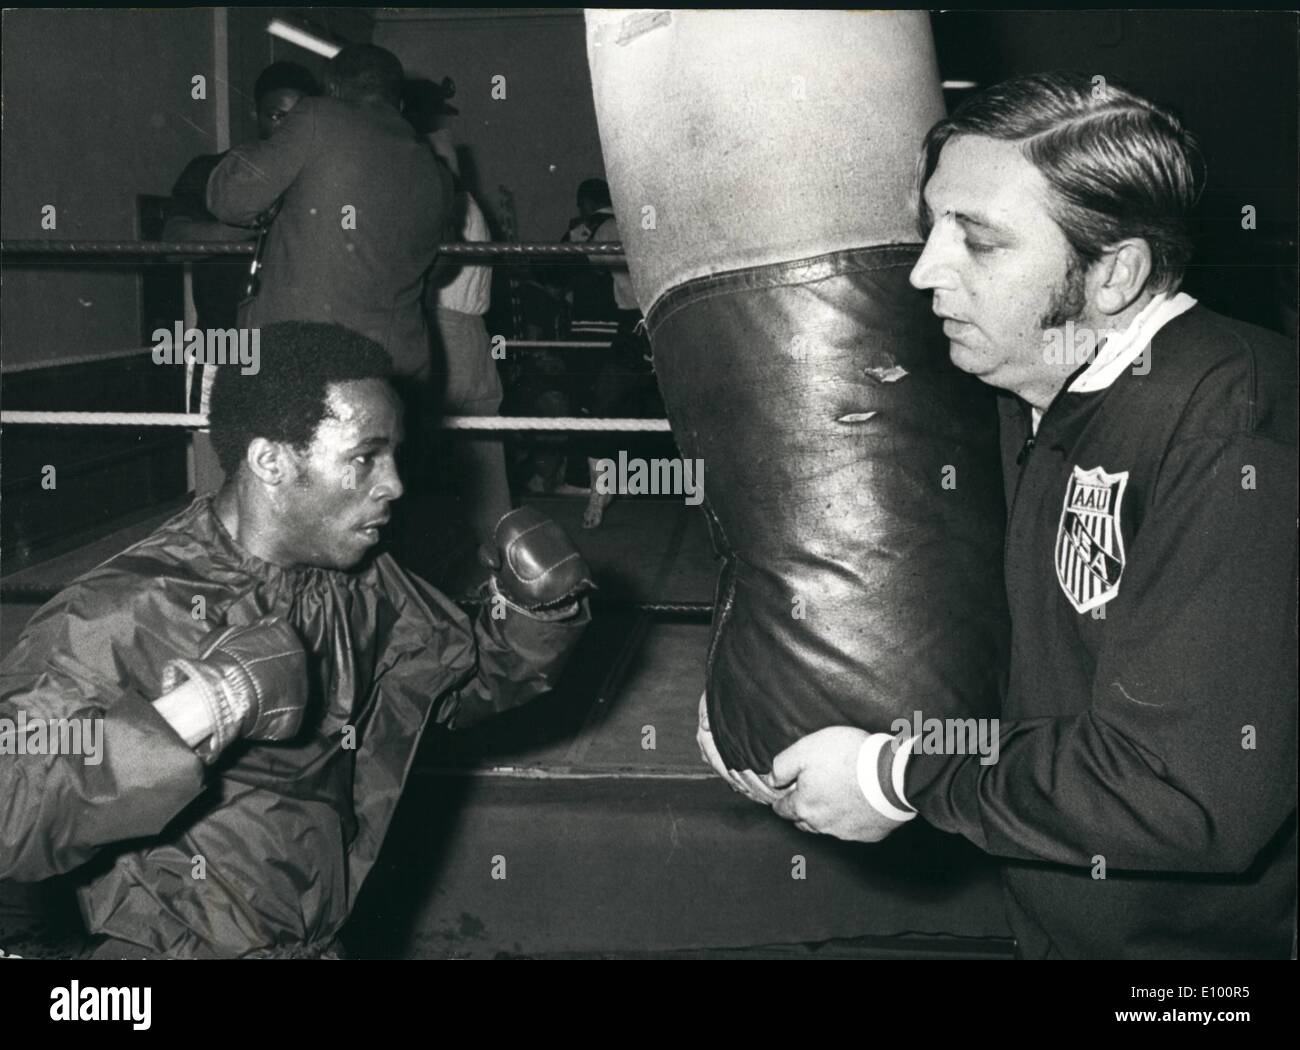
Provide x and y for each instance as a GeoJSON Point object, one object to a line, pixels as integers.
{"type": "Point", "coordinates": [559, 382]}
{"type": "Point", "coordinates": [218, 287]}
{"type": "Point", "coordinates": [590, 289]}
{"type": "Point", "coordinates": [364, 204]}
{"type": "Point", "coordinates": [622, 379]}
{"type": "Point", "coordinates": [465, 377]}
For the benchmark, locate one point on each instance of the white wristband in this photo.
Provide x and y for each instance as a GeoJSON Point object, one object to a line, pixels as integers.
{"type": "Point", "coordinates": [898, 768]}
{"type": "Point", "coordinates": [869, 782]}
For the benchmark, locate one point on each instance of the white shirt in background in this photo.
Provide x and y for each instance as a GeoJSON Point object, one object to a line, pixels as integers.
{"type": "Point", "coordinates": [470, 290]}
{"type": "Point", "coordinates": [606, 227]}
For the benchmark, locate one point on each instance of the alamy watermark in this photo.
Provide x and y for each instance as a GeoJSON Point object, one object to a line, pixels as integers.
{"type": "Point", "coordinates": [949, 736]}
{"type": "Point", "coordinates": [93, 1003]}
{"type": "Point", "coordinates": [53, 736]}
{"type": "Point", "coordinates": [655, 477]}
{"type": "Point", "coordinates": [1073, 344]}
{"type": "Point", "coordinates": [179, 345]}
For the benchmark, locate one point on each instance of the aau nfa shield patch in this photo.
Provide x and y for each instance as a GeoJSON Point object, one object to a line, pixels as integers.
{"type": "Point", "coordinates": [1089, 544]}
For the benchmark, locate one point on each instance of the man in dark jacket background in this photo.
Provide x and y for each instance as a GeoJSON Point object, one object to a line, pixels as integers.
{"type": "Point", "coordinates": [253, 679]}
{"type": "Point", "coordinates": [219, 287]}
{"type": "Point", "coordinates": [364, 202]}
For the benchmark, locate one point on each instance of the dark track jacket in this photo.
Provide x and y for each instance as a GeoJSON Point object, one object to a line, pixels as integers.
{"type": "Point", "coordinates": [1150, 719]}
{"type": "Point", "coordinates": [287, 832]}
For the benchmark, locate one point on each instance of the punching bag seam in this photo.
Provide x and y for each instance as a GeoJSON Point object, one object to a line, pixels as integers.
{"type": "Point", "coordinates": [794, 272]}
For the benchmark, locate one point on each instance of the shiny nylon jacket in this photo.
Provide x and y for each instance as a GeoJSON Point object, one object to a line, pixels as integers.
{"type": "Point", "coordinates": [287, 831]}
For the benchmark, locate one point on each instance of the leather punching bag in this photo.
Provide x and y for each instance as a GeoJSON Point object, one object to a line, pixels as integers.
{"type": "Point", "coordinates": [761, 164]}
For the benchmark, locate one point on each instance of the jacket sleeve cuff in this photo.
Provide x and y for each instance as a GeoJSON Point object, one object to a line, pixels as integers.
{"type": "Point", "coordinates": [881, 762]}
{"type": "Point", "coordinates": [565, 611]}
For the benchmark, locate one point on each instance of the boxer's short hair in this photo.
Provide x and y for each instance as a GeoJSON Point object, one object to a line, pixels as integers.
{"type": "Point", "coordinates": [286, 76]}
{"type": "Point", "coordinates": [284, 400]}
{"type": "Point", "coordinates": [1120, 165]}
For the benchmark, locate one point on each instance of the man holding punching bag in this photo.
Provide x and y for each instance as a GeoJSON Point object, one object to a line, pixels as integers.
{"type": "Point", "coordinates": [1145, 779]}
{"type": "Point", "coordinates": [1147, 737]}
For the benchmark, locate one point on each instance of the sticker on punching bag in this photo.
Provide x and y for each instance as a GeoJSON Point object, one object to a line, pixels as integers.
{"type": "Point", "coordinates": [1089, 543]}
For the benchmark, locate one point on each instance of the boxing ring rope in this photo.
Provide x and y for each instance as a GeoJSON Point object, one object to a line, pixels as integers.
{"type": "Point", "coordinates": [136, 351]}
{"type": "Point", "coordinates": [79, 359]}
{"type": "Point", "coordinates": [33, 594]}
{"type": "Point", "coordinates": [558, 344]}
{"type": "Point", "coordinates": [196, 421]}
{"type": "Point", "coordinates": [62, 252]}
{"type": "Point", "coordinates": [110, 419]}
{"type": "Point", "coordinates": [174, 251]}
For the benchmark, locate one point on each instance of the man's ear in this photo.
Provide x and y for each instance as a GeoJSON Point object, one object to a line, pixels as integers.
{"type": "Point", "coordinates": [270, 461]}
{"type": "Point", "coordinates": [1122, 274]}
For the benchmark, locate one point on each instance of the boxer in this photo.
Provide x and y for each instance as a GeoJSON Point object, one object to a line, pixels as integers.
{"type": "Point", "coordinates": [300, 664]}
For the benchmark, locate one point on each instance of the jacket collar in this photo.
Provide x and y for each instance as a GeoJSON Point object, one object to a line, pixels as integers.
{"type": "Point", "coordinates": [1122, 350]}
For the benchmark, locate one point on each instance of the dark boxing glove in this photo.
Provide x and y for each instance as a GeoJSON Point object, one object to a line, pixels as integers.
{"type": "Point", "coordinates": [253, 680]}
{"type": "Point", "coordinates": [536, 566]}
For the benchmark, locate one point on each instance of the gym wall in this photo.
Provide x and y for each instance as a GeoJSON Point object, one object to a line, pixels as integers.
{"type": "Point", "coordinates": [98, 110]}
{"type": "Point", "coordinates": [538, 142]}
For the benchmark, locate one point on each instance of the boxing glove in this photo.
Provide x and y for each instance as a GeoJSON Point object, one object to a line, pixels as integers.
{"type": "Point", "coordinates": [252, 680]}
{"type": "Point", "coordinates": [535, 565]}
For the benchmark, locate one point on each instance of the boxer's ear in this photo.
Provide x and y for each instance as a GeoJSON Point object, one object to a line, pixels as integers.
{"type": "Point", "coordinates": [269, 461]}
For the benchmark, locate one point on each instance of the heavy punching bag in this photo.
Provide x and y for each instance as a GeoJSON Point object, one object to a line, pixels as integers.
{"type": "Point", "coordinates": [761, 165]}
